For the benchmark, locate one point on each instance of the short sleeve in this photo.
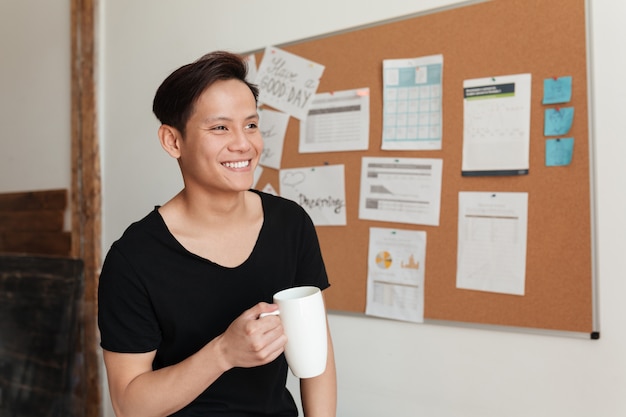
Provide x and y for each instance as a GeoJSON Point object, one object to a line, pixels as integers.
{"type": "Point", "coordinates": [311, 268]}
{"type": "Point", "coordinates": [126, 318]}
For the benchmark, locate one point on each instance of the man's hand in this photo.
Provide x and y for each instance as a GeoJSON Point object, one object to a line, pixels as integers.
{"type": "Point", "coordinates": [252, 341]}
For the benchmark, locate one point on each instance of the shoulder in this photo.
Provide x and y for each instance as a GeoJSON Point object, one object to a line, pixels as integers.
{"type": "Point", "coordinates": [286, 217]}
{"type": "Point", "coordinates": [276, 204]}
{"type": "Point", "coordinates": [147, 229]}
{"type": "Point", "coordinates": [142, 244]}
{"type": "Point", "coordinates": [149, 222]}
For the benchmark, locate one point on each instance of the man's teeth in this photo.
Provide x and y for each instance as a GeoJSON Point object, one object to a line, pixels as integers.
{"type": "Point", "coordinates": [240, 164]}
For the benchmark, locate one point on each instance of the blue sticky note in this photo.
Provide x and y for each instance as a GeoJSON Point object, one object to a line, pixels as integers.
{"type": "Point", "coordinates": [557, 90]}
{"type": "Point", "coordinates": [559, 151]}
{"type": "Point", "coordinates": [558, 121]}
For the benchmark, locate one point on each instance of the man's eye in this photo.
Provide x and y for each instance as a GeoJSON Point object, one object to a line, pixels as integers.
{"type": "Point", "coordinates": [252, 126]}
{"type": "Point", "coordinates": [219, 128]}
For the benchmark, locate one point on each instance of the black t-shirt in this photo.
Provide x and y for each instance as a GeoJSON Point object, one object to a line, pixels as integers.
{"type": "Point", "coordinates": [156, 295]}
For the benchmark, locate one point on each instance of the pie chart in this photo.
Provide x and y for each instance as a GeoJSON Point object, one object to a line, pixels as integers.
{"type": "Point", "coordinates": [383, 259]}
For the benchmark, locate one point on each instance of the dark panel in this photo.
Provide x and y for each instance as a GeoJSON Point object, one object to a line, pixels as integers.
{"type": "Point", "coordinates": [40, 336]}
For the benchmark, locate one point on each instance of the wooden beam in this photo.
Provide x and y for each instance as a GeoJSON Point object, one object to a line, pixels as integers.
{"type": "Point", "coordinates": [86, 184]}
{"type": "Point", "coordinates": [34, 200]}
{"type": "Point", "coordinates": [32, 221]}
{"type": "Point", "coordinates": [57, 243]}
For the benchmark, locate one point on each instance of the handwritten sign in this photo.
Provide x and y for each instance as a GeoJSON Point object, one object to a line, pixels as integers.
{"type": "Point", "coordinates": [319, 190]}
{"type": "Point", "coordinates": [252, 70]}
{"type": "Point", "coordinates": [273, 125]}
{"type": "Point", "coordinates": [557, 90]}
{"type": "Point", "coordinates": [559, 152]}
{"type": "Point", "coordinates": [558, 121]}
{"type": "Point", "coordinates": [288, 82]}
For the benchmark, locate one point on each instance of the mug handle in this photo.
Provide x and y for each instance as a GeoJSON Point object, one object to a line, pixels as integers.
{"type": "Point", "coordinates": [273, 313]}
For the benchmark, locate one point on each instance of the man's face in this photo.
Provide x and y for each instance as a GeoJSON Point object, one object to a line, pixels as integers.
{"type": "Point", "coordinates": [223, 143]}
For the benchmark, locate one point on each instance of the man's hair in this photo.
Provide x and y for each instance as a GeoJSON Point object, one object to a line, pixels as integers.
{"type": "Point", "coordinates": [176, 97]}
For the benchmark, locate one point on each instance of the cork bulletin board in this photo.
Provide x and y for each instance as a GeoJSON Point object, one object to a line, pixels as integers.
{"type": "Point", "coordinates": [500, 37]}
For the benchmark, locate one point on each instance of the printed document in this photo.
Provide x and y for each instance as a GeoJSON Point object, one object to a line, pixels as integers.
{"type": "Point", "coordinates": [395, 274]}
{"type": "Point", "coordinates": [492, 233]}
{"type": "Point", "coordinates": [412, 98]}
{"type": "Point", "coordinates": [496, 125]}
{"type": "Point", "coordinates": [404, 190]}
{"type": "Point", "coordinates": [337, 121]}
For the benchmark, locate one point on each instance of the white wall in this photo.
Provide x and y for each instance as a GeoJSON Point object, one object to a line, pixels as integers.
{"type": "Point", "coordinates": [34, 95]}
{"type": "Point", "coordinates": [385, 368]}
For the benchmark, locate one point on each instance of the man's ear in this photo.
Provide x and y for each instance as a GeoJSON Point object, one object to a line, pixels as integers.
{"type": "Point", "coordinates": [170, 140]}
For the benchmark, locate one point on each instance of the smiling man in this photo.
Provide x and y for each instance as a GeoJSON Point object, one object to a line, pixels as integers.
{"type": "Point", "coordinates": [182, 291]}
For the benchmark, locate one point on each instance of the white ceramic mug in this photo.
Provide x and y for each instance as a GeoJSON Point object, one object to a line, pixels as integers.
{"type": "Point", "coordinates": [303, 317]}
